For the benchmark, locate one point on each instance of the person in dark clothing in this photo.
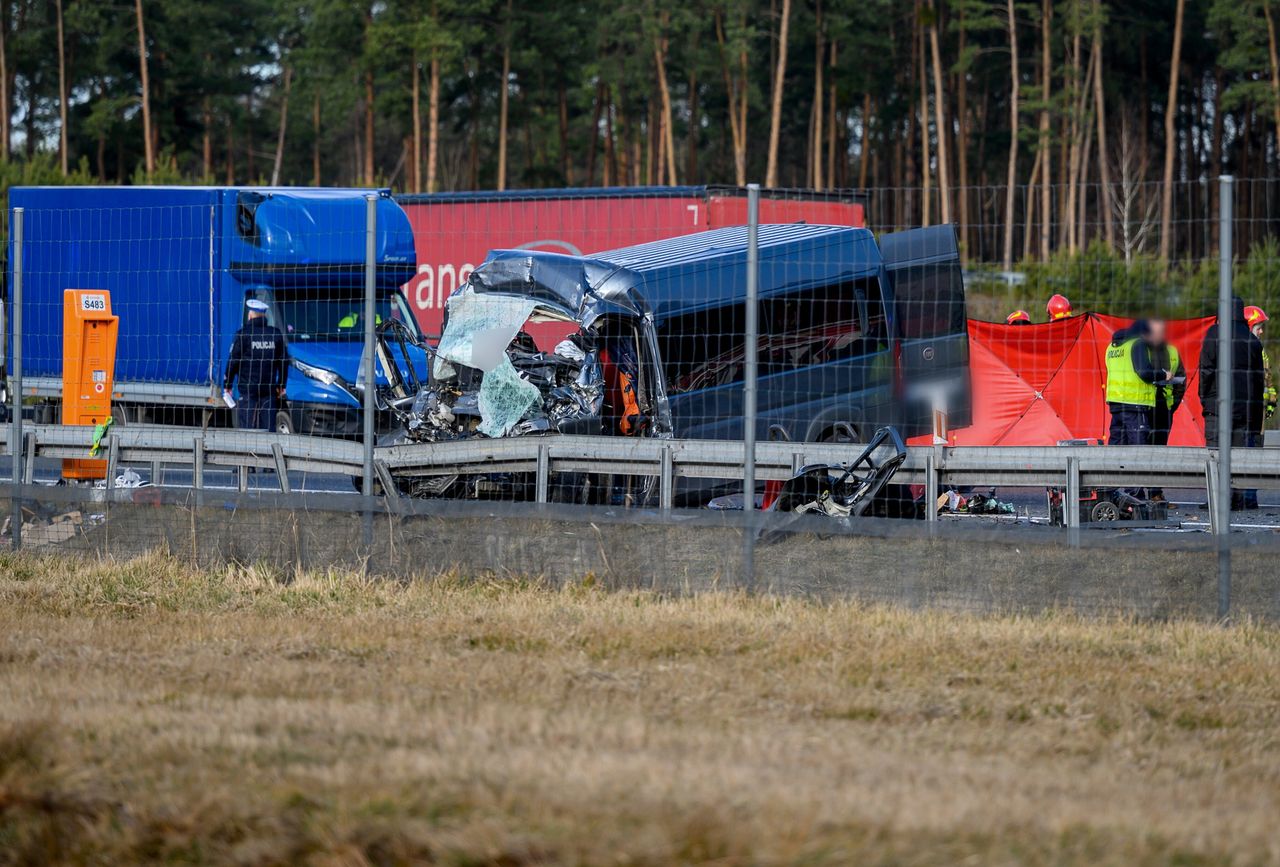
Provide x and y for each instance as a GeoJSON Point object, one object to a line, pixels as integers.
{"type": "Point", "coordinates": [1131, 386]}
{"type": "Point", "coordinates": [1247, 380]}
{"type": "Point", "coordinates": [1169, 393]}
{"type": "Point", "coordinates": [259, 363]}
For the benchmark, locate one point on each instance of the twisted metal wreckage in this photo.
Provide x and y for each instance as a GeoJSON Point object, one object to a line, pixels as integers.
{"type": "Point", "coordinates": [488, 378]}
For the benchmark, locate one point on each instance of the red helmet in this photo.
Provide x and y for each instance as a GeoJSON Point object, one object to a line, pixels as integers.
{"type": "Point", "coordinates": [1058, 308]}
{"type": "Point", "coordinates": [1018, 317]}
{"type": "Point", "coordinates": [1254, 315]}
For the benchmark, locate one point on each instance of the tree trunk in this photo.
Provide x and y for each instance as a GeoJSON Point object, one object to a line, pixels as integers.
{"type": "Point", "coordinates": [1028, 210]}
{"type": "Point", "coordinates": [962, 145]}
{"type": "Point", "coordinates": [815, 144]}
{"type": "Point", "coordinates": [62, 91]}
{"type": "Point", "coordinates": [775, 111]}
{"type": "Point", "coordinates": [833, 137]}
{"type": "Point", "coordinates": [694, 140]}
{"type": "Point", "coordinates": [1275, 67]}
{"type": "Point", "coordinates": [1099, 110]}
{"type": "Point", "coordinates": [206, 140]}
{"type": "Point", "coordinates": [1073, 134]}
{"type": "Point", "coordinates": [231, 152]}
{"type": "Point", "coordinates": [433, 121]}
{"type": "Point", "coordinates": [284, 120]}
{"type": "Point", "coordinates": [926, 158]}
{"type": "Point", "coordinates": [611, 175]}
{"type": "Point", "coordinates": [415, 164]}
{"type": "Point", "coordinates": [664, 92]}
{"type": "Point", "coordinates": [940, 118]}
{"type": "Point", "coordinates": [736, 93]}
{"type": "Point", "coordinates": [1044, 145]}
{"type": "Point", "coordinates": [1012, 169]}
{"type": "Point", "coordinates": [4, 85]}
{"type": "Point", "coordinates": [503, 100]}
{"type": "Point", "coordinates": [566, 166]}
{"type": "Point", "coordinates": [1170, 138]}
{"type": "Point", "coordinates": [248, 138]}
{"type": "Point", "coordinates": [368, 129]}
{"type": "Point", "coordinates": [594, 140]}
{"type": "Point", "coordinates": [865, 147]}
{"type": "Point", "coordinates": [315, 139]}
{"type": "Point", "coordinates": [148, 144]}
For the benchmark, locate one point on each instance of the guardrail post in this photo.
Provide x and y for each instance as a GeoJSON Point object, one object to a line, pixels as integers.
{"type": "Point", "coordinates": [29, 461]}
{"type": "Point", "coordinates": [666, 479]}
{"type": "Point", "coordinates": [113, 463]}
{"type": "Point", "coordinates": [15, 381]}
{"type": "Point", "coordinates": [1225, 359]}
{"type": "Point", "coordinates": [931, 488]}
{"type": "Point", "coordinates": [1211, 490]}
{"type": "Point", "coordinates": [157, 473]}
{"type": "Point", "coordinates": [1071, 496]}
{"type": "Point", "coordinates": [543, 482]}
{"type": "Point", "coordinates": [282, 469]}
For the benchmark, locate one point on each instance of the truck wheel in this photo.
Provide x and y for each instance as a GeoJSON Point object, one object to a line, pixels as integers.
{"type": "Point", "coordinates": [284, 423]}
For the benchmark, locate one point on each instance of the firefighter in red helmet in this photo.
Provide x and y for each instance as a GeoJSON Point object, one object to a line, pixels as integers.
{"type": "Point", "coordinates": [1018, 317]}
{"type": "Point", "coordinates": [1254, 317]}
{"type": "Point", "coordinates": [1059, 308]}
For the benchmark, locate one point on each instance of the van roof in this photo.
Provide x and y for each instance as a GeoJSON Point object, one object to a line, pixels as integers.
{"type": "Point", "coordinates": [708, 269]}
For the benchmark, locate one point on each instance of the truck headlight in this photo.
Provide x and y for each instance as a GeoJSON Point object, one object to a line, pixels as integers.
{"type": "Point", "coordinates": [319, 374]}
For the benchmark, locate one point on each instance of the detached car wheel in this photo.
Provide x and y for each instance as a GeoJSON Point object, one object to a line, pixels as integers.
{"type": "Point", "coordinates": [1105, 511]}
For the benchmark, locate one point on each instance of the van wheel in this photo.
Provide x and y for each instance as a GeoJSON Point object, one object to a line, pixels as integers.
{"type": "Point", "coordinates": [841, 432]}
{"type": "Point", "coordinates": [284, 423]}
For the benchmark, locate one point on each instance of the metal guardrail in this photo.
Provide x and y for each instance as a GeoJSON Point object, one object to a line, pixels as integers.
{"type": "Point", "coordinates": [1070, 467]}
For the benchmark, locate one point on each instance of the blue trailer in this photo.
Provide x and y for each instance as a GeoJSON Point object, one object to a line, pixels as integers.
{"type": "Point", "coordinates": [180, 263]}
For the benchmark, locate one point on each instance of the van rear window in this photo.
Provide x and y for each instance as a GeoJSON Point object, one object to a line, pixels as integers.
{"type": "Point", "coordinates": [929, 300]}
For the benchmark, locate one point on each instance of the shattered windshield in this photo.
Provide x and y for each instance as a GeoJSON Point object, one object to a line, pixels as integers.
{"type": "Point", "coordinates": [479, 329]}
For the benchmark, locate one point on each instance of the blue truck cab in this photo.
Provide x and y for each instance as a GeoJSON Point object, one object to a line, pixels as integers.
{"type": "Point", "coordinates": [180, 263]}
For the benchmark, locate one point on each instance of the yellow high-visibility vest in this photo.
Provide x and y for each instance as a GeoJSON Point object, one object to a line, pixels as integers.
{"type": "Point", "coordinates": [1173, 368]}
{"type": "Point", "coordinates": [1123, 384]}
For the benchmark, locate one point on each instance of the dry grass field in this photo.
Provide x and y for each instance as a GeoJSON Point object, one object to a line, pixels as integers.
{"type": "Point", "coordinates": [150, 713]}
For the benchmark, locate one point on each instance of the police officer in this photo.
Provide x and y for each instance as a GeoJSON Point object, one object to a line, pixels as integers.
{"type": "Point", "coordinates": [1131, 386]}
{"type": "Point", "coordinates": [260, 363]}
{"type": "Point", "coordinates": [1169, 393]}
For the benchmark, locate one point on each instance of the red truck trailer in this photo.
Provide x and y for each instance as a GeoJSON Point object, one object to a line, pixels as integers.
{"type": "Point", "coordinates": [453, 232]}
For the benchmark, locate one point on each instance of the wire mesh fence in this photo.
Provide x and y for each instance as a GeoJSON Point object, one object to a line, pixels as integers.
{"type": "Point", "coordinates": [1053, 315]}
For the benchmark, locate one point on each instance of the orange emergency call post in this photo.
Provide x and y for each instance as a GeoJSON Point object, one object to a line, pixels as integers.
{"type": "Point", "coordinates": [88, 368]}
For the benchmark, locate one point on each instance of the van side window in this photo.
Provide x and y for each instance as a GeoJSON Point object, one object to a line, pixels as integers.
{"type": "Point", "coordinates": [817, 326]}
{"type": "Point", "coordinates": [703, 349]}
{"type": "Point", "coordinates": [930, 300]}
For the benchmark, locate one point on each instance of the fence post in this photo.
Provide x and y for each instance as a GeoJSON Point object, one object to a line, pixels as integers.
{"type": "Point", "coordinates": [15, 380]}
{"type": "Point", "coordinates": [749, 386]}
{"type": "Point", "coordinates": [366, 359]}
{"type": "Point", "coordinates": [1225, 359]}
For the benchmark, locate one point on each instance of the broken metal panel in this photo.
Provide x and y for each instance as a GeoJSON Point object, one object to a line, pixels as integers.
{"type": "Point", "coordinates": [583, 289]}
